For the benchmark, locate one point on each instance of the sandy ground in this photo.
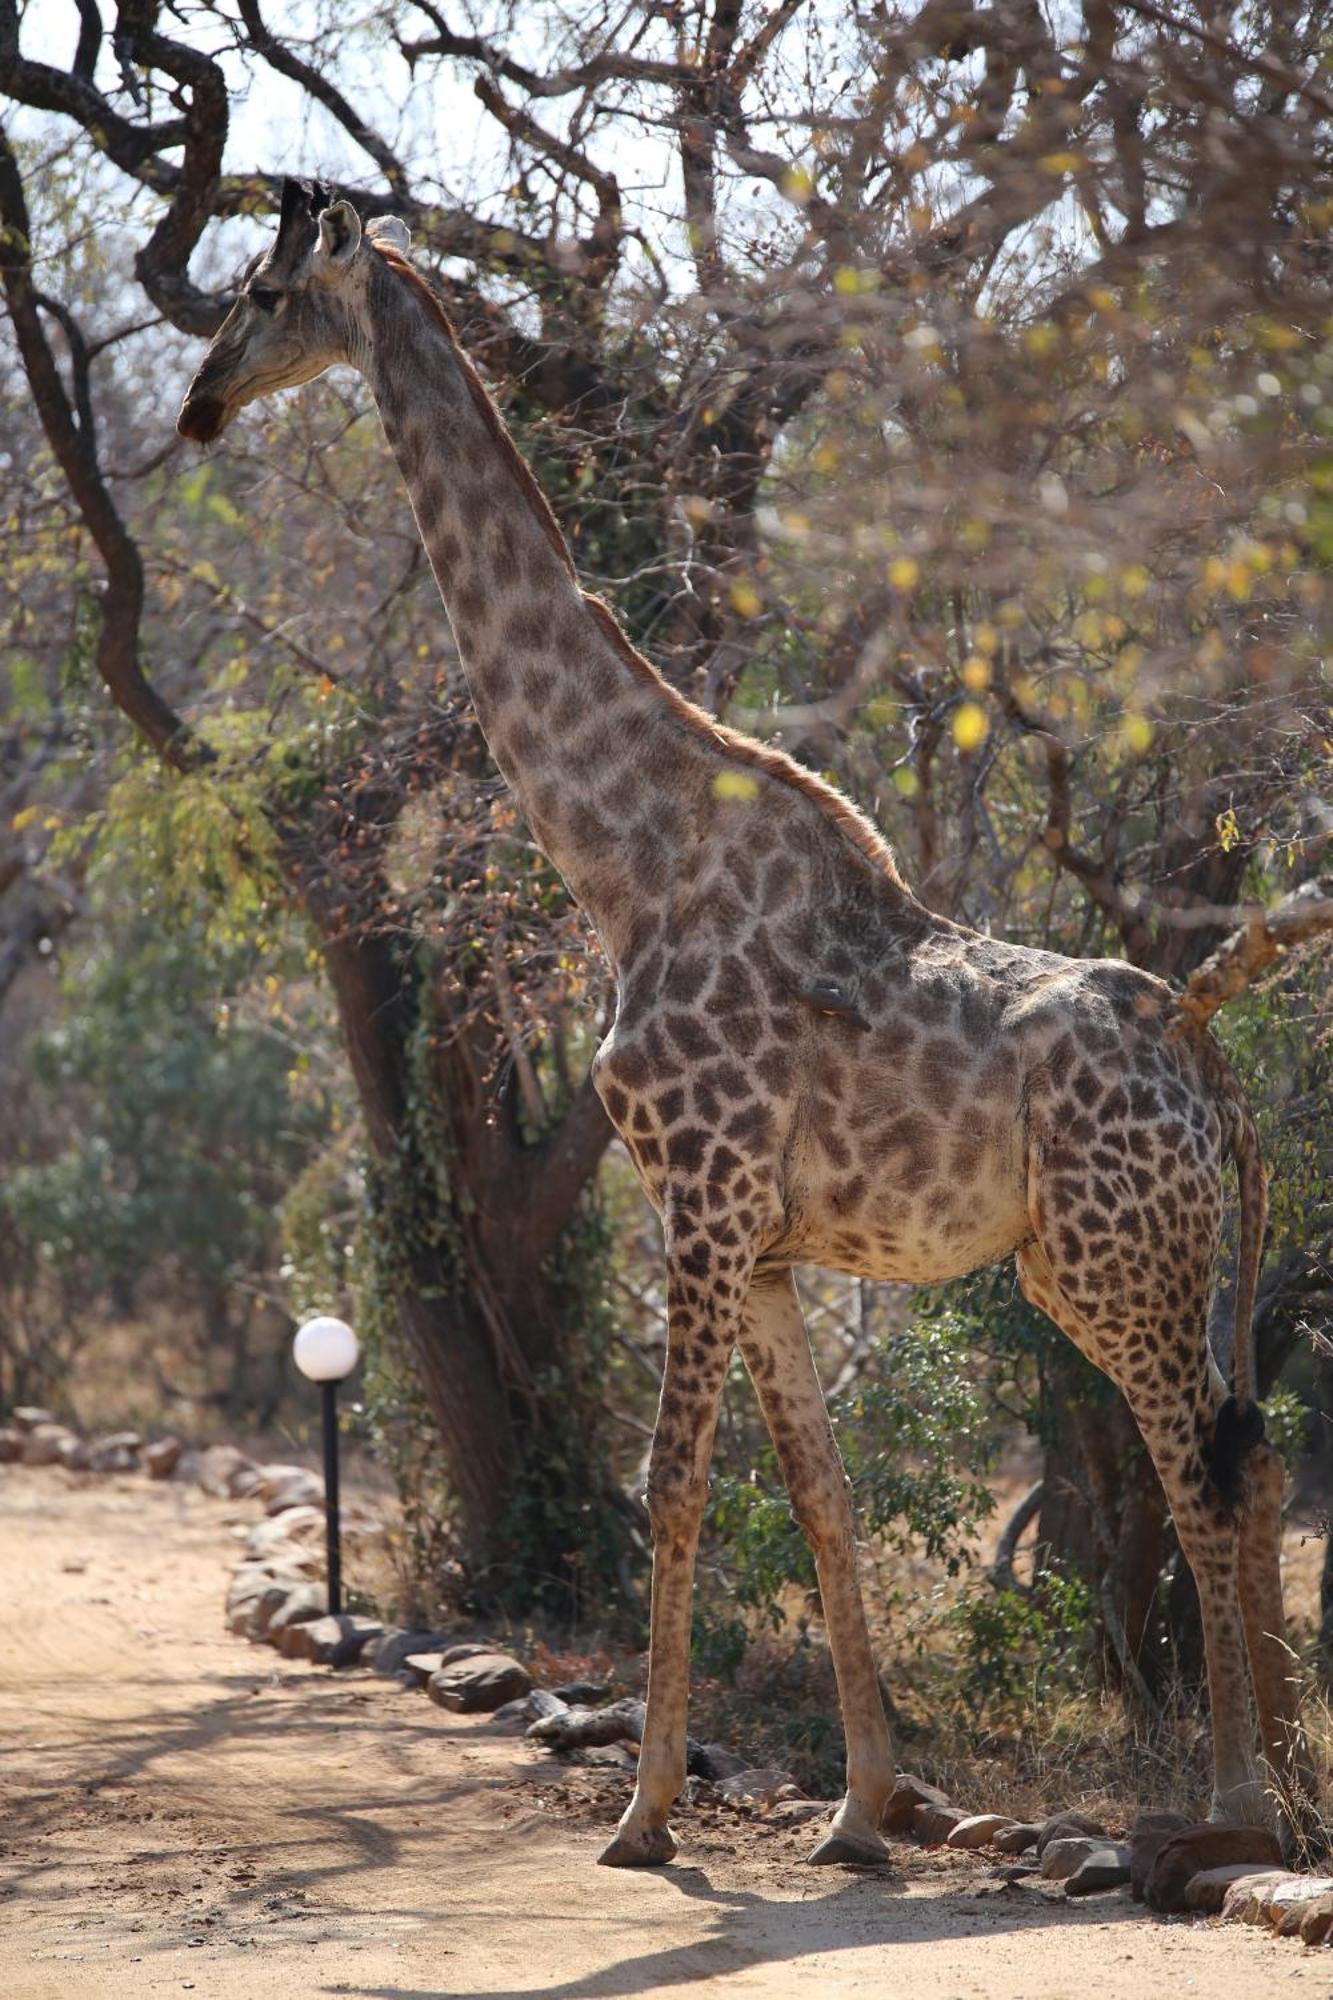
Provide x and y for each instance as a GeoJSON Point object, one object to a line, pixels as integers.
{"type": "Point", "coordinates": [183, 1812]}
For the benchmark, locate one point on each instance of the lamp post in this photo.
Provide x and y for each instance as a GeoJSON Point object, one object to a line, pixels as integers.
{"type": "Point", "coordinates": [325, 1350]}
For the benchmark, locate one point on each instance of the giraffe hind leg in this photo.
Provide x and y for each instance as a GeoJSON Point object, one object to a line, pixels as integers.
{"type": "Point", "coordinates": [1161, 1364]}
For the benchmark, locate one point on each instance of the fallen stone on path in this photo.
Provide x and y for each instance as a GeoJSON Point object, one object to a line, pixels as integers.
{"type": "Point", "coordinates": [11, 1444]}
{"type": "Point", "coordinates": [420, 1666]}
{"type": "Point", "coordinates": [934, 1824]}
{"type": "Point", "coordinates": [1106, 1867]}
{"type": "Point", "coordinates": [799, 1812]}
{"type": "Point", "coordinates": [339, 1640]}
{"type": "Point", "coordinates": [1017, 1838]}
{"type": "Point", "coordinates": [226, 1473]}
{"type": "Point", "coordinates": [29, 1417]}
{"type": "Point", "coordinates": [74, 1454]}
{"type": "Point", "coordinates": [1059, 1858]}
{"type": "Point", "coordinates": [978, 1830]}
{"type": "Point", "coordinates": [161, 1458]}
{"type": "Point", "coordinates": [1192, 1849]}
{"type": "Point", "coordinates": [1206, 1892]}
{"type": "Point", "coordinates": [479, 1684]}
{"type": "Point", "coordinates": [715, 1762]}
{"type": "Point", "coordinates": [759, 1785]}
{"type": "Point", "coordinates": [582, 1694]}
{"type": "Point", "coordinates": [581, 1728]}
{"type": "Point", "coordinates": [908, 1793]}
{"type": "Point", "coordinates": [1068, 1825]}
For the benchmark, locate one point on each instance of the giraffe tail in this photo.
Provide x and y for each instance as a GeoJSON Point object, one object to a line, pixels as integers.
{"type": "Point", "coordinates": [1240, 1422]}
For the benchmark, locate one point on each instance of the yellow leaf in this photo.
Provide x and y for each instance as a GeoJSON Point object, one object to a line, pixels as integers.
{"type": "Point", "coordinates": [25, 818]}
{"type": "Point", "coordinates": [1138, 732]}
{"type": "Point", "coordinates": [745, 598]}
{"type": "Point", "coordinates": [904, 573]}
{"type": "Point", "coordinates": [1062, 163]}
{"type": "Point", "coordinates": [976, 674]}
{"type": "Point", "coordinates": [970, 726]}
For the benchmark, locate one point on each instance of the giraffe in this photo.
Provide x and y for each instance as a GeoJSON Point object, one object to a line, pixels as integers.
{"type": "Point", "coordinates": [806, 1064]}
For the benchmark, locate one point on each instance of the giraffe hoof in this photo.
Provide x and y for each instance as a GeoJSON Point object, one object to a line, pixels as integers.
{"type": "Point", "coordinates": [865, 1851]}
{"type": "Point", "coordinates": [652, 1847]}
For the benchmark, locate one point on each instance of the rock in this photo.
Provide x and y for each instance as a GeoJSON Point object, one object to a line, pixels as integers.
{"type": "Point", "coordinates": [909, 1793]}
{"type": "Point", "coordinates": [1107, 1867]}
{"type": "Point", "coordinates": [1144, 1849]}
{"type": "Point", "coordinates": [1060, 1858]}
{"type": "Point", "coordinates": [1191, 1849]}
{"type": "Point", "coordinates": [798, 1812]}
{"type": "Point", "coordinates": [1016, 1839]}
{"type": "Point", "coordinates": [118, 1452]}
{"type": "Point", "coordinates": [1206, 1891]}
{"type": "Point", "coordinates": [934, 1824]}
{"type": "Point", "coordinates": [242, 1483]}
{"type": "Point", "coordinates": [115, 1441]}
{"type": "Point", "coordinates": [790, 1794]}
{"type": "Point", "coordinates": [295, 1524]}
{"type": "Point", "coordinates": [580, 1728]}
{"type": "Point", "coordinates": [583, 1693]}
{"type": "Point", "coordinates": [614, 1754]}
{"type": "Point", "coordinates": [11, 1444]}
{"type": "Point", "coordinates": [29, 1418]}
{"type": "Point", "coordinates": [1287, 1901]}
{"type": "Point", "coordinates": [759, 1785]}
{"type": "Point", "coordinates": [463, 1649]}
{"type": "Point", "coordinates": [543, 1702]}
{"type": "Point", "coordinates": [394, 1647]}
{"type": "Point", "coordinates": [74, 1454]}
{"type": "Point", "coordinates": [978, 1830]}
{"type": "Point", "coordinates": [301, 1606]}
{"type": "Point", "coordinates": [1068, 1826]}
{"type": "Point", "coordinates": [339, 1641]}
{"type": "Point", "coordinates": [162, 1457]}
{"type": "Point", "coordinates": [479, 1684]}
{"type": "Point", "coordinates": [418, 1667]}
{"type": "Point", "coordinates": [218, 1465]}
{"type": "Point", "coordinates": [1317, 1920]}
{"type": "Point", "coordinates": [41, 1445]}
{"type": "Point", "coordinates": [1246, 1901]}
{"type": "Point", "coordinates": [514, 1716]}
{"type": "Point", "coordinates": [716, 1762]}
{"type": "Point", "coordinates": [298, 1489]}
{"type": "Point", "coordinates": [1161, 1820]}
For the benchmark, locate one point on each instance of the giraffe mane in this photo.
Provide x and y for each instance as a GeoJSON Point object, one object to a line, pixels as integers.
{"type": "Point", "coordinates": [850, 821]}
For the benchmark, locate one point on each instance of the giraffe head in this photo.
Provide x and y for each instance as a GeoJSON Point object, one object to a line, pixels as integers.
{"type": "Point", "coordinates": [297, 312]}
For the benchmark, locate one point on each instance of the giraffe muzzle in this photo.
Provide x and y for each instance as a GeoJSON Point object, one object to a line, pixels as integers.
{"type": "Point", "coordinates": [201, 419]}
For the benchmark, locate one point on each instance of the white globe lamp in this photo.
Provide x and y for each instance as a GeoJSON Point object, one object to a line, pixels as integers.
{"type": "Point", "coordinates": [325, 1350]}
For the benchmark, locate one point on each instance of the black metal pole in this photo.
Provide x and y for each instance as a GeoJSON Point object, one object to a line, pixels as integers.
{"type": "Point", "coordinates": [330, 1395]}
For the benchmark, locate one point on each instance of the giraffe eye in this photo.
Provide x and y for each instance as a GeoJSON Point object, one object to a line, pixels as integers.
{"type": "Point", "coordinates": [264, 297]}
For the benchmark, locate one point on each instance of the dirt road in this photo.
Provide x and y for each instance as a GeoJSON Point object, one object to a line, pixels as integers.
{"type": "Point", "coordinates": [185, 1813]}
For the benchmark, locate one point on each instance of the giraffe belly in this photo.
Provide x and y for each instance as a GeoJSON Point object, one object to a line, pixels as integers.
{"type": "Point", "coordinates": [931, 1212]}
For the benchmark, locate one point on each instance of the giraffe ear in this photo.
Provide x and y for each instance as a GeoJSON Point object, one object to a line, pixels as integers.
{"type": "Point", "coordinates": [340, 232]}
{"type": "Point", "coordinates": [391, 231]}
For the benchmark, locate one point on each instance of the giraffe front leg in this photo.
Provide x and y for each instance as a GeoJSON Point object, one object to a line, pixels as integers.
{"type": "Point", "coordinates": [777, 1353]}
{"type": "Point", "coordinates": [701, 1329]}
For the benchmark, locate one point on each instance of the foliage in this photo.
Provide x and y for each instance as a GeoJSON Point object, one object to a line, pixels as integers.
{"type": "Point", "coordinates": [916, 1446]}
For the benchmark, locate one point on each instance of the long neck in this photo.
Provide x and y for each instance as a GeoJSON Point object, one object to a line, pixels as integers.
{"type": "Point", "coordinates": [569, 720]}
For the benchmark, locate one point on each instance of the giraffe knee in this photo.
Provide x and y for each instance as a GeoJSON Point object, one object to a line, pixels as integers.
{"type": "Point", "coordinates": [823, 1511]}
{"type": "Point", "coordinates": [675, 1500]}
